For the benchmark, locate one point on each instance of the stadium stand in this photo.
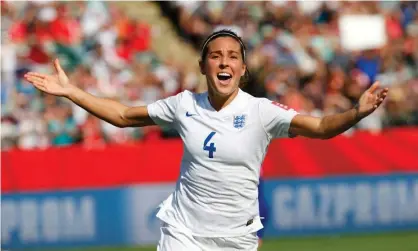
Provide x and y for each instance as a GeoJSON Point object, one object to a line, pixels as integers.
{"type": "Point", "coordinates": [297, 58]}
{"type": "Point", "coordinates": [136, 53]}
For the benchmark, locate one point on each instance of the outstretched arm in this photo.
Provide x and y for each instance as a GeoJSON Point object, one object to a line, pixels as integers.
{"type": "Point", "coordinates": [106, 109]}
{"type": "Point", "coordinates": [333, 125]}
{"type": "Point", "coordinates": [111, 111]}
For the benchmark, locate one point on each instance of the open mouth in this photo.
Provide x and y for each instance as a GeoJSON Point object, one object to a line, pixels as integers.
{"type": "Point", "coordinates": [223, 76]}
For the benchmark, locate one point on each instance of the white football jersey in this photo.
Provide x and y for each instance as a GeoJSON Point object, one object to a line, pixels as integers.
{"type": "Point", "coordinates": [216, 193]}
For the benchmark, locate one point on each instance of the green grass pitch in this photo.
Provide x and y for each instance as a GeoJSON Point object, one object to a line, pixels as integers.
{"type": "Point", "coordinates": [403, 241]}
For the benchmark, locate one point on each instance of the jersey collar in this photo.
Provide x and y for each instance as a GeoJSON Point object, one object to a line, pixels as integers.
{"type": "Point", "coordinates": [236, 105]}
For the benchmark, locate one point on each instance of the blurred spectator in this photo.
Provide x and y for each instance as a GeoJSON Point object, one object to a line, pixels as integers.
{"type": "Point", "coordinates": [104, 51]}
{"type": "Point", "coordinates": [9, 132]}
{"type": "Point", "coordinates": [31, 129]}
{"type": "Point", "coordinates": [62, 127]}
{"type": "Point", "coordinates": [92, 134]}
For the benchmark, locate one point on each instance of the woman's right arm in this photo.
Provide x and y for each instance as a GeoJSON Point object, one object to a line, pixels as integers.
{"type": "Point", "coordinates": [108, 110]}
{"type": "Point", "coordinates": [111, 111]}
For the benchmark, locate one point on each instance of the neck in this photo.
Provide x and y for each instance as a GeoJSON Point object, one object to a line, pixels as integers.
{"type": "Point", "coordinates": [218, 102]}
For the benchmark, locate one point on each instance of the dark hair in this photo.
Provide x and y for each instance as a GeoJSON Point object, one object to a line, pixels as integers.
{"type": "Point", "coordinates": [227, 33]}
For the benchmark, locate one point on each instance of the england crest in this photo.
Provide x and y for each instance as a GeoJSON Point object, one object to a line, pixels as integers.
{"type": "Point", "coordinates": [239, 121]}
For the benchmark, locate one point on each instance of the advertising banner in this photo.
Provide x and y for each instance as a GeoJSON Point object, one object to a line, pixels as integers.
{"type": "Point", "coordinates": [64, 219]}
{"type": "Point", "coordinates": [341, 205]}
{"type": "Point", "coordinates": [126, 216]}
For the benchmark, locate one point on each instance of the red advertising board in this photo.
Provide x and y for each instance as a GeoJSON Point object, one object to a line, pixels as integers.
{"type": "Point", "coordinates": [393, 151]}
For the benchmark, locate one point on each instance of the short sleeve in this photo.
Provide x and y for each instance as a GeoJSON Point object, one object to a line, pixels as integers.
{"type": "Point", "coordinates": [276, 118]}
{"type": "Point", "coordinates": [163, 111]}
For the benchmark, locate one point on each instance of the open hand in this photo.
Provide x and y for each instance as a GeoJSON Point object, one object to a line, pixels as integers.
{"type": "Point", "coordinates": [371, 100]}
{"type": "Point", "coordinates": [56, 84]}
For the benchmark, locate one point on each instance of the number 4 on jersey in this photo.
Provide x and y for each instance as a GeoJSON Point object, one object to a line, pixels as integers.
{"type": "Point", "coordinates": [211, 148]}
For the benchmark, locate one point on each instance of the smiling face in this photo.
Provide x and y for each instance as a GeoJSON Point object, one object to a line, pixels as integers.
{"type": "Point", "coordinates": [223, 66]}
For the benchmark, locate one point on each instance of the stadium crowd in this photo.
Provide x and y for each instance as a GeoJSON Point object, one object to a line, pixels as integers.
{"type": "Point", "coordinates": [294, 55]}
{"type": "Point", "coordinates": [102, 49]}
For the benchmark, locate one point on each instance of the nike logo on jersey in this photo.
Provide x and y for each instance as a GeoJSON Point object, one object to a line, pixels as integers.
{"type": "Point", "coordinates": [189, 114]}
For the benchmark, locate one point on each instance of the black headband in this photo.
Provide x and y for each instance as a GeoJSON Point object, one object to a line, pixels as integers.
{"type": "Point", "coordinates": [223, 33]}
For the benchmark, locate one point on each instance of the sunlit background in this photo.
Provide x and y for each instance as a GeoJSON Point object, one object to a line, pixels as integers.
{"type": "Point", "coordinates": [72, 181]}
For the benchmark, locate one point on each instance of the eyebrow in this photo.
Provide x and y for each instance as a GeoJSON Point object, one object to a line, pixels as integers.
{"type": "Point", "coordinates": [220, 52]}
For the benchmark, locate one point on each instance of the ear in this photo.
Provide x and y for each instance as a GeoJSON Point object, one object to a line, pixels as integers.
{"type": "Point", "coordinates": [244, 69]}
{"type": "Point", "coordinates": [202, 67]}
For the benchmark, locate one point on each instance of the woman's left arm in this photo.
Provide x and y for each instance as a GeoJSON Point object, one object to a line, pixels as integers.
{"type": "Point", "coordinates": [333, 125]}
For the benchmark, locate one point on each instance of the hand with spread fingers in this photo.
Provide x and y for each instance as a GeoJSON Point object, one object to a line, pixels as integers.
{"type": "Point", "coordinates": [371, 100]}
{"type": "Point", "coordinates": [56, 84]}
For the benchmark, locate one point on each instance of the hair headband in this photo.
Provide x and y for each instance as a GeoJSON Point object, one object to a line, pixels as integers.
{"type": "Point", "coordinates": [223, 33]}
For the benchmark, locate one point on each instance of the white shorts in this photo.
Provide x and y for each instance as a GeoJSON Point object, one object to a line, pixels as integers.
{"type": "Point", "coordinates": [174, 239]}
